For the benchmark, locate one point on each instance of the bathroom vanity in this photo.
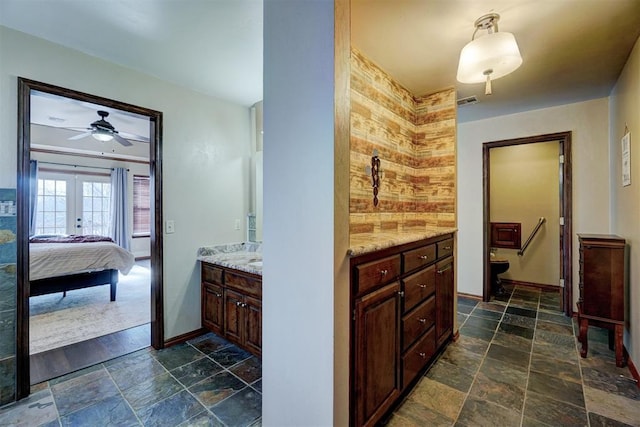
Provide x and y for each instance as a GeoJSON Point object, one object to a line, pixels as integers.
{"type": "Point", "coordinates": [231, 287]}
{"type": "Point", "coordinates": [402, 302]}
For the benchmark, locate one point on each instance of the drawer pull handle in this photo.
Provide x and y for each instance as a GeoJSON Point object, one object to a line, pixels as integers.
{"type": "Point", "coordinates": [384, 272]}
{"type": "Point", "coordinates": [423, 321]}
{"type": "Point", "coordinates": [218, 295]}
{"type": "Point", "coordinates": [422, 285]}
{"type": "Point", "coordinates": [424, 256]}
{"type": "Point", "coordinates": [448, 267]}
{"type": "Point", "coordinates": [238, 304]}
{"type": "Point", "coordinates": [422, 354]}
{"type": "Point", "coordinates": [447, 248]}
{"type": "Point", "coordinates": [401, 294]}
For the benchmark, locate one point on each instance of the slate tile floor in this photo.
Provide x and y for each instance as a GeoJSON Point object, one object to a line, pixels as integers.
{"type": "Point", "coordinates": [204, 382]}
{"type": "Point", "coordinates": [517, 363]}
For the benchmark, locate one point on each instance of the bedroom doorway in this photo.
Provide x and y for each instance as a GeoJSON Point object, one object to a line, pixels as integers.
{"type": "Point", "coordinates": [75, 201]}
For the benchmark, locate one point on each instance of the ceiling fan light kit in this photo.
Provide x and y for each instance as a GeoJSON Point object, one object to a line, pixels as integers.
{"type": "Point", "coordinates": [488, 57]}
{"type": "Point", "coordinates": [102, 130]}
{"type": "Point", "coordinates": [102, 136]}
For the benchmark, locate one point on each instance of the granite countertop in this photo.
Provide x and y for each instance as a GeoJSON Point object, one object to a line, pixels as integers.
{"type": "Point", "coordinates": [240, 256]}
{"type": "Point", "coordinates": [363, 243]}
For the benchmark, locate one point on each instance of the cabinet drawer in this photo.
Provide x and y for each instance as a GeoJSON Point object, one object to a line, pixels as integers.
{"type": "Point", "coordinates": [418, 321]}
{"type": "Point", "coordinates": [212, 274]}
{"type": "Point", "coordinates": [418, 257]}
{"type": "Point", "coordinates": [419, 286]}
{"type": "Point", "coordinates": [245, 284]}
{"type": "Point", "coordinates": [415, 359]}
{"type": "Point", "coordinates": [445, 248]}
{"type": "Point", "coordinates": [375, 273]}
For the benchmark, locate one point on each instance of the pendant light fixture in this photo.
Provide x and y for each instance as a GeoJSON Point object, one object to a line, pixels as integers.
{"type": "Point", "coordinates": [488, 57]}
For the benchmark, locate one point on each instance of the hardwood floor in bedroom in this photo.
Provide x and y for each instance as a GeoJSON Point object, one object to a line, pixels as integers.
{"type": "Point", "coordinates": [60, 361]}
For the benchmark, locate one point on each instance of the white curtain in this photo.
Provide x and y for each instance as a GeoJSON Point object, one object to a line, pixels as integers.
{"type": "Point", "coordinates": [120, 207]}
{"type": "Point", "coordinates": [33, 195]}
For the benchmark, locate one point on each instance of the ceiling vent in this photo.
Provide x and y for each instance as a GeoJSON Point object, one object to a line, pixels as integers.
{"type": "Point", "coordinates": [468, 100]}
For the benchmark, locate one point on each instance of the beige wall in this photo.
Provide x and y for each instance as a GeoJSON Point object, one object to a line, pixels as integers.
{"type": "Point", "coordinates": [625, 201]}
{"type": "Point", "coordinates": [524, 187]}
{"type": "Point", "coordinates": [588, 123]}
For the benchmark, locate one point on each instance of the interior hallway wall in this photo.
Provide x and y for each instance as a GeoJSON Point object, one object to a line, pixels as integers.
{"type": "Point", "coordinates": [205, 155]}
{"type": "Point", "coordinates": [524, 187]}
{"type": "Point", "coordinates": [588, 122]}
{"type": "Point", "coordinates": [625, 201]}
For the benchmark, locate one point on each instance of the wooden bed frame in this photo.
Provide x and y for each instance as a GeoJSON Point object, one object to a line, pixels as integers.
{"type": "Point", "coordinates": [70, 282]}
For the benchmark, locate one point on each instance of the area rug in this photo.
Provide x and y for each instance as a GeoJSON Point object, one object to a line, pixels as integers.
{"type": "Point", "coordinates": [88, 313]}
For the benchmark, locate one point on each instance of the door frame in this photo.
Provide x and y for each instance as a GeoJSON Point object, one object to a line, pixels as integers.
{"type": "Point", "coordinates": [566, 211]}
{"type": "Point", "coordinates": [25, 86]}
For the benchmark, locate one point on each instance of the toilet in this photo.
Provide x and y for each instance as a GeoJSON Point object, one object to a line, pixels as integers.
{"type": "Point", "coordinates": [498, 266]}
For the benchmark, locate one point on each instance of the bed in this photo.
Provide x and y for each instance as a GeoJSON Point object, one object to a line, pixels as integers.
{"type": "Point", "coordinates": [61, 264]}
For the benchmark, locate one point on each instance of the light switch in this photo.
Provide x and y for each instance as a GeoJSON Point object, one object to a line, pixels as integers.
{"type": "Point", "coordinates": [237, 224]}
{"type": "Point", "coordinates": [169, 226]}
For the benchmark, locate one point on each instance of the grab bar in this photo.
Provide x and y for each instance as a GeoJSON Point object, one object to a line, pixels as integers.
{"type": "Point", "coordinates": [531, 236]}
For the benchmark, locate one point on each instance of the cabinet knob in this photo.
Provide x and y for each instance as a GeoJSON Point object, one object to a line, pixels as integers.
{"type": "Point", "coordinates": [218, 295]}
{"type": "Point", "coordinates": [422, 285]}
{"type": "Point", "coordinates": [401, 293]}
{"type": "Point", "coordinates": [424, 257]}
{"type": "Point", "coordinates": [244, 304]}
{"type": "Point", "coordinates": [384, 272]}
{"type": "Point", "coordinates": [422, 354]}
{"type": "Point", "coordinates": [238, 304]}
{"type": "Point", "coordinates": [446, 248]}
{"type": "Point", "coordinates": [423, 321]}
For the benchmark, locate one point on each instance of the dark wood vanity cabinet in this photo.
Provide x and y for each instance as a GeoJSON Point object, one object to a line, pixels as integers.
{"type": "Point", "coordinates": [402, 301]}
{"type": "Point", "coordinates": [232, 306]}
{"type": "Point", "coordinates": [602, 289]}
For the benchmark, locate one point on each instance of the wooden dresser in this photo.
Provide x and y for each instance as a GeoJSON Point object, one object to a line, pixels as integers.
{"type": "Point", "coordinates": [602, 289]}
{"type": "Point", "coordinates": [402, 302]}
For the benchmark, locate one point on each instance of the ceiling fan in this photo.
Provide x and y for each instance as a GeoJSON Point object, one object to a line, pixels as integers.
{"type": "Point", "coordinates": [103, 131]}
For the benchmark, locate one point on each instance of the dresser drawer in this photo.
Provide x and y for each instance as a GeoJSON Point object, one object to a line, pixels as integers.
{"type": "Point", "coordinates": [376, 273]}
{"type": "Point", "coordinates": [445, 248]}
{"type": "Point", "coordinates": [418, 287]}
{"type": "Point", "coordinates": [212, 274]}
{"type": "Point", "coordinates": [418, 257]}
{"type": "Point", "coordinates": [415, 359]}
{"type": "Point", "coordinates": [245, 284]}
{"type": "Point", "coordinates": [418, 321]}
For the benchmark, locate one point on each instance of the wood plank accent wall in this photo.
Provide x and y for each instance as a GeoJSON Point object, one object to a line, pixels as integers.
{"type": "Point", "coordinates": [416, 141]}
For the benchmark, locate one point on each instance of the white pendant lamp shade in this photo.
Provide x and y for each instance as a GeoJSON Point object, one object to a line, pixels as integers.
{"type": "Point", "coordinates": [489, 57]}
{"type": "Point", "coordinates": [494, 54]}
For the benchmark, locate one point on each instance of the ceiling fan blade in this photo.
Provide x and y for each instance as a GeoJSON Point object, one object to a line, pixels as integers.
{"type": "Point", "coordinates": [134, 136]}
{"type": "Point", "coordinates": [82, 135]}
{"type": "Point", "coordinates": [121, 140]}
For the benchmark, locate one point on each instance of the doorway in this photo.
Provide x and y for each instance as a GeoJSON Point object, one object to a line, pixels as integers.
{"type": "Point", "coordinates": [565, 211]}
{"type": "Point", "coordinates": [25, 90]}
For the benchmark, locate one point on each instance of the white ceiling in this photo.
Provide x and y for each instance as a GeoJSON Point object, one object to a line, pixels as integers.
{"type": "Point", "coordinates": [210, 46]}
{"type": "Point", "coordinates": [573, 50]}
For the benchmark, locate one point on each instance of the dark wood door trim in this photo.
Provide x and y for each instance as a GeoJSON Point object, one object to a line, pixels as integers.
{"type": "Point", "coordinates": [25, 86]}
{"type": "Point", "coordinates": [566, 231]}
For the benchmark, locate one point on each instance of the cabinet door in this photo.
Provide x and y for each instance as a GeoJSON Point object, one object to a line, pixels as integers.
{"type": "Point", "coordinates": [234, 316]}
{"type": "Point", "coordinates": [253, 334]}
{"type": "Point", "coordinates": [377, 353]}
{"type": "Point", "coordinates": [444, 300]}
{"type": "Point", "coordinates": [212, 307]}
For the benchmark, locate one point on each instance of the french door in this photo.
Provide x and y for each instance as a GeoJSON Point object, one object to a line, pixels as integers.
{"type": "Point", "coordinates": [73, 204]}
